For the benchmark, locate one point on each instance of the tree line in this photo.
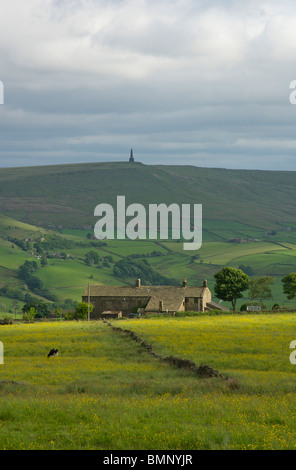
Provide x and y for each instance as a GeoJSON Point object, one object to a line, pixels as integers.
{"type": "Point", "coordinates": [127, 269]}
{"type": "Point", "coordinates": [26, 272]}
{"type": "Point", "coordinates": [231, 283]}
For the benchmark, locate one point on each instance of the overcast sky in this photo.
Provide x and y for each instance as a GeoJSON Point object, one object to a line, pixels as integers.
{"type": "Point", "coordinates": [193, 82]}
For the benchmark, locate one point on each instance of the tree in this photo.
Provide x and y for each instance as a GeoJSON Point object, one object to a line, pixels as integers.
{"type": "Point", "coordinates": [58, 312]}
{"type": "Point", "coordinates": [128, 269]}
{"type": "Point", "coordinates": [230, 284]}
{"type": "Point", "coordinates": [43, 260]}
{"type": "Point", "coordinates": [259, 287]}
{"type": "Point", "coordinates": [26, 270]}
{"type": "Point", "coordinates": [81, 311]}
{"type": "Point", "coordinates": [246, 269]}
{"type": "Point", "coordinates": [289, 285]}
{"type": "Point", "coordinates": [42, 309]}
{"type": "Point", "coordinates": [34, 283]}
{"type": "Point", "coordinates": [30, 315]}
{"type": "Point", "coordinates": [91, 257]}
{"type": "Point", "coordinates": [69, 303]}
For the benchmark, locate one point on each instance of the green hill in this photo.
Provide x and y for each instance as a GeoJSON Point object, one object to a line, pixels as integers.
{"type": "Point", "coordinates": [236, 203]}
{"type": "Point", "coordinates": [49, 210]}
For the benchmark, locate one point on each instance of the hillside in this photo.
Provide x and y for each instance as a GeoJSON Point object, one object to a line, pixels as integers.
{"type": "Point", "coordinates": [238, 203]}
{"type": "Point", "coordinates": [66, 273]}
{"type": "Point", "coordinates": [48, 211]}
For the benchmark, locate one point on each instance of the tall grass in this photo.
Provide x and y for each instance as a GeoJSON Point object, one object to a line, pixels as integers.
{"type": "Point", "coordinates": [104, 391]}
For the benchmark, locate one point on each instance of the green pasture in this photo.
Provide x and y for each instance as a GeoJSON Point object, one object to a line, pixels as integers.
{"type": "Point", "coordinates": [129, 247]}
{"type": "Point", "coordinates": [15, 228]}
{"type": "Point", "coordinates": [69, 278]}
{"type": "Point", "coordinates": [215, 230]}
{"type": "Point", "coordinates": [10, 308]}
{"type": "Point", "coordinates": [75, 232]}
{"type": "Point", "coordinates": [104, 391]}
{"type": "Point", "coordinates": [11, 256]}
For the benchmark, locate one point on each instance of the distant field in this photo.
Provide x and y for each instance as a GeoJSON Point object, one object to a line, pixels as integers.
{"type": "Point", "coordinates": [13, 227]}
{"type": "Point", "coordinates": [69, 278]}
{"type": "Point", "coordinates": [104, 391]}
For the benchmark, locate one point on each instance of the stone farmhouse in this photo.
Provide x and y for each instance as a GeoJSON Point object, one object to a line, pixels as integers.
{"type": "Point", "coordinates": [123, 300]}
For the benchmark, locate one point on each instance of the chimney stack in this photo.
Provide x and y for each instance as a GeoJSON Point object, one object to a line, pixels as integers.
{"type": "Point", "coordinates": [185, 282]}
{"type": "Point", "coordinates": [205, 283]}
{"type": "Point", "coordinates": [138, 283]}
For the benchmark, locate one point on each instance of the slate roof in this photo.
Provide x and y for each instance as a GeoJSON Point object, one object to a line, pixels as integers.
{"type": "Point", "coordinates": [171, 296]}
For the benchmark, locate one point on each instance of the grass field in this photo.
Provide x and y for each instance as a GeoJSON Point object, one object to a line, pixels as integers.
{"type": "Point", "coordinates": [104, 391]}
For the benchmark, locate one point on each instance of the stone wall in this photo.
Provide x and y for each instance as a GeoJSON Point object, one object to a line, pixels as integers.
{"type": "Point", "coordinates": [125, 305]}
{"type": "Point", "coordinates": [193, 304]}
{"type": "Point", "coordinates": [207, 297]}
{"type": "Point", "coordinates": [203, 370]}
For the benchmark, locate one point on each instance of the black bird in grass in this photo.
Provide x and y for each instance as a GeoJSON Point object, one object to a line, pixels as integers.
{"type": "Point", "coordinates": [53, 352]}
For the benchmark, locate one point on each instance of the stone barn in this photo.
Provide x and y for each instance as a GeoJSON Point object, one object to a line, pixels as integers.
{"type": "Point", "coordinates": [148, 299]}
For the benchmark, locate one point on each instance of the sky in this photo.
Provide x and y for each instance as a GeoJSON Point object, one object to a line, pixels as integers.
{"type": "Point", "coordinates": [182, 82]}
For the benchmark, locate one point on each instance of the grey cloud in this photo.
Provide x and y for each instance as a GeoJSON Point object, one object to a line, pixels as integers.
{"type": "Point", "coordinates": [183, 80]}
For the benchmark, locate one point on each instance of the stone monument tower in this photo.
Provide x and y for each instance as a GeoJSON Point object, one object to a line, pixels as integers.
{"type": "Point", "coordinates": [131, 159]}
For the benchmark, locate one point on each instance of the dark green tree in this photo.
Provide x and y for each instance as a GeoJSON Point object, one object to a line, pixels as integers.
{"type": "Point", "coordinates": [43, 260]}
{"type": "Point", "coordinates": [246, 269]}
{"type": "Point", "coordinates": [289, 285]}
{"type": "Point", "coordinates": [42, 309]}
{"type": "Point", "coordinates": [26, 270]}
{"type": "Point", "coordinates": [91, 257]}
{"type": "Point", "coordinates": [128, 269]}
{"type": "Point", "coordinates": [230, 284]}
{"type": "Point", "coordinates": [34, 283]}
